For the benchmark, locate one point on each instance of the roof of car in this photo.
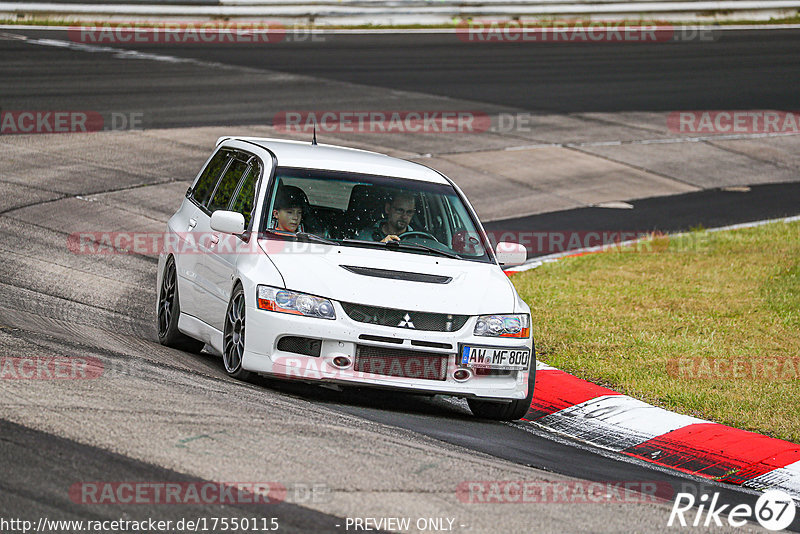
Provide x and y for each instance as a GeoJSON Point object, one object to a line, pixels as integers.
{"type": "Point", "coordinates": [303, 154]}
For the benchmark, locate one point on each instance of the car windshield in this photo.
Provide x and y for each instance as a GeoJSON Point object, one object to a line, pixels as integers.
{"type": "Point", "coordinates": [362, 210]}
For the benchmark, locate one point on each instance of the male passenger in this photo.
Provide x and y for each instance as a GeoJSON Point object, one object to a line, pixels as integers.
{"type": "Point", "coordinates": [399, 212]}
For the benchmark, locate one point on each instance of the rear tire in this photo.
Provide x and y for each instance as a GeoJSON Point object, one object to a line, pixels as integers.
{"type": "Point", "coordinates": [169, 311]}
{"type": "Point", "coordinates": [233, 336]}
{"type": "Point", "coordinates": [505, 411]}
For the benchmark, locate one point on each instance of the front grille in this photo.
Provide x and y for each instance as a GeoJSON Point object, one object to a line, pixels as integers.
{"type": "Point", "coordinates": [432, 322]}
{"type": "Point", "coordinates": [382, 339]}
{"type": "Point", "coordinates": [431, 344]}
{"type": "Point", "coordinates": [398, 362]}
{"type": "Point", "coordinates": [300, 345]}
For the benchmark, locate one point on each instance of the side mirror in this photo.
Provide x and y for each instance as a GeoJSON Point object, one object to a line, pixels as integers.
{"type": "Point", "coordinates": [511, 254]}
{"type": "Point", "coordinates": [227, 222]}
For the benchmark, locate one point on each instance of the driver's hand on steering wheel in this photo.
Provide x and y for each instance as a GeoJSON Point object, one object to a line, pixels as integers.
{"type": "Point", "coordinates": [390, 237]}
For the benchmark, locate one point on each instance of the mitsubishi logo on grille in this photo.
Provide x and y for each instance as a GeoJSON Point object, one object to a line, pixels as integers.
{"type": "Point", "coordinates": [406, 322]}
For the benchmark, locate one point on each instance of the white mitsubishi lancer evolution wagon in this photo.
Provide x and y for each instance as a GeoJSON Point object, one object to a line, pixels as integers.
{"type": "Point", "coordinates": [333, 265]}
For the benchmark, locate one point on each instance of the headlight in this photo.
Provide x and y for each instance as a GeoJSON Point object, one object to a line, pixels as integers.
{"type": "Point", "coordinates": [503, 326]}
{"type": "Point", "coordinates": [285, 301]}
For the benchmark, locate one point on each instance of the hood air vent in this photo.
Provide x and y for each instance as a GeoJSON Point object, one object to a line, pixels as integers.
{"type": "Point", "coordinates": [398, 275]}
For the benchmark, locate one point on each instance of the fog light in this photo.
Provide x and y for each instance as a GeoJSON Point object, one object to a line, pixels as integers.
{"type": "Point", "coordinates": [462, 374]}
{"type": "Point", "coordinates": [341, 362]}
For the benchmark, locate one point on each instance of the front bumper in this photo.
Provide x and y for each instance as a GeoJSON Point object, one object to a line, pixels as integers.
{"type": "Point", "coordinates": [341, 338]}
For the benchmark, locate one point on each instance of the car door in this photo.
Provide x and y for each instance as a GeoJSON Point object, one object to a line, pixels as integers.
{"type": "Point", "coordinates": [236, 192]}
{"type": "Point", "coordinates": [226, 255]}
{"type": "Point", "coordinates": [186, 250]}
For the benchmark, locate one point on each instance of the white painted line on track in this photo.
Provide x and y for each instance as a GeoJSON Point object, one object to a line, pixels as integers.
{"type": "Point", "coordinates": [614, 205]}
{"type": "Point", "coordinates": [550, 434]}
{"type": "Point", "coordinates": [784, 478]}
{"type": "Point", "coordinates": [616, 422]}
{"type": "Point", "coordinates": [122, 53]}
{"type": "Point", "coordinates": [662, 141]}
{"type": "Point", "coordinates": [753, 224]}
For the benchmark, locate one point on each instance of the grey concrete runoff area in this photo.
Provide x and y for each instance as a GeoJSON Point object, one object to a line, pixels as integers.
{"type": "Point", "coordinates": [160, 414]}
{"type": "Point", "coordinates": [599, 159]}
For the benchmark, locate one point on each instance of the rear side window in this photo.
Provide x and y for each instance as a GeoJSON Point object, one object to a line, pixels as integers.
{"type": "Point", "coordinates": [227, 186]}
{"type": "Point", "coordinates": [245, 198]}
{"type": "Point", "coordinates": [208, 180]}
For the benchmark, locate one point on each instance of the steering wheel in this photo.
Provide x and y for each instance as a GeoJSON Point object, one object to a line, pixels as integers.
{"type": "Point", "coordinates": [416, 233]}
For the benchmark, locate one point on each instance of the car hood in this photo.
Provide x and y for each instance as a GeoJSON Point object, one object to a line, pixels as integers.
{"type": "Point", "coordinates": [476, 288]}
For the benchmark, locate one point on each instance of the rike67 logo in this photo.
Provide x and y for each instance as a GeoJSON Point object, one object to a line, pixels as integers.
{"type": "Point", "coordinates": [774, 510]}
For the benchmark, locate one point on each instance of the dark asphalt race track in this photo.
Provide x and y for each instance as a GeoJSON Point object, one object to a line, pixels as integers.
{"type": "Point", "coordinates": [739, 70]}
{"type": "Point", "coordinates": [711, 208]}
{"type": "Point", "coordinates": [555, 77]}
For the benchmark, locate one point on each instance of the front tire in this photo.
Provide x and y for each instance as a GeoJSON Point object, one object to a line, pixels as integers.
{"type": "Point", "coordinates": [169, 311]}
{"type": "Point", "coordinates": [233, 336]}
{"type": "Point", "coordinates": [505, 411]}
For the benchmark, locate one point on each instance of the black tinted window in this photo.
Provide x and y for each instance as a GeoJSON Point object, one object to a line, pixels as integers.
{"type": "Point", "coordinates": [244, 201]}
{"type": "Point", "coordinates": [208, 180]}
{"type": "Point", "coordinates": [227, 186]}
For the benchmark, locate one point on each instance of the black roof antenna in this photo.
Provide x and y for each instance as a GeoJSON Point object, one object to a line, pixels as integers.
{"type": "Point", "coordinates": [314, 138]}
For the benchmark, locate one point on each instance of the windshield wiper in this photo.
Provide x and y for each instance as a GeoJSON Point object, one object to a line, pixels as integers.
{"type": "Point", "coordinates": [418, 246]}
{"type": "Point", "coordinates": [316, 238]}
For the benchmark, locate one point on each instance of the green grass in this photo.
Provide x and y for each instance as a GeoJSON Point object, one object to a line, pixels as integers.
{"type": "Point", "coordinates": [625, 318]}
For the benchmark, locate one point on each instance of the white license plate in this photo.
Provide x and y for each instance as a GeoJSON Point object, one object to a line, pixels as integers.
{"type": "Point", "coordinates": [516, 359]}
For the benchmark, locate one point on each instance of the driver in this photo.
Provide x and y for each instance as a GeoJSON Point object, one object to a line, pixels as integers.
{"type": "Point", "coordinates": [399, 211]}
